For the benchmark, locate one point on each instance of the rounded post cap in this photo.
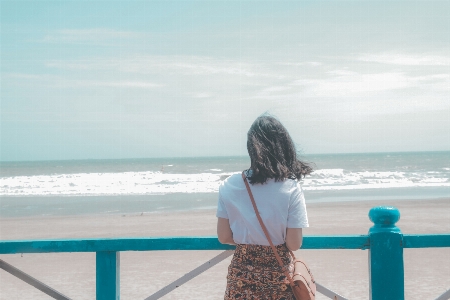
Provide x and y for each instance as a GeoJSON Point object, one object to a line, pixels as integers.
{"type": "Point", "coordinates": [384, 216]}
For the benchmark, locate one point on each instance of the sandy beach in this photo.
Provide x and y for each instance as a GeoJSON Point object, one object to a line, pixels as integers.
{"type": "Point", "coordinates": [427, 271]}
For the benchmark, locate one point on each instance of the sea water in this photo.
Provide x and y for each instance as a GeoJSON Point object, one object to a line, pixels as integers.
{"type": "Point", "coordinates": [168, 184]}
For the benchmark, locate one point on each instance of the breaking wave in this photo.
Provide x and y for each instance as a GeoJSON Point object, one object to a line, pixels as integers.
{"type": "Point", "coordinates": [147, 183]}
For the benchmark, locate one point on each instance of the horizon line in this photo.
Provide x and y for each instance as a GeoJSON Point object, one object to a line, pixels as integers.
{"type": "Point", "coordinates": [216, 156]}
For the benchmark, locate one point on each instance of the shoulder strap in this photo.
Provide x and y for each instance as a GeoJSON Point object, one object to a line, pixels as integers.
{"type": "Point", "coordinates": [280, 262]}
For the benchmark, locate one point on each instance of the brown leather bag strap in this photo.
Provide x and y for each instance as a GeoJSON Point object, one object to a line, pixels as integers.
{"type": "Point", "coordinates": [280, 262]}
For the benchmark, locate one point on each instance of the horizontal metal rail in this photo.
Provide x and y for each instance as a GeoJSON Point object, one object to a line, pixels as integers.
{"type": "Point", "coordinates": [164, 243]}
{"type": "Point", "coordinates": [426, 241]}
{"type": "Point", "coordinates": [200, 243]}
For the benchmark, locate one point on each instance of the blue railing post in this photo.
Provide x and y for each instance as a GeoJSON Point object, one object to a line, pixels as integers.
{"type": "Point", "coordinates": [107, 275]}
{"type": "Point", "coordinates": [386, 255]}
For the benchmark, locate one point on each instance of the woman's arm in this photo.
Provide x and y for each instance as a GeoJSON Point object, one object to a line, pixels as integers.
{"type": "Point", "coordinates": [224, 231]}
{"type": "Point", "coordinates": [294, 238]}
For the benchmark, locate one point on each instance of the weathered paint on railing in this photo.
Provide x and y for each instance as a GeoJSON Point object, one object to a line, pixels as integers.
{"type": "Point", "coordinates": [385, 241]}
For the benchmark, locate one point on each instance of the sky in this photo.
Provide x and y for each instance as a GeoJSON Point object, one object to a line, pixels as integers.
{"type": "Point", "coordinates": [137, 79]}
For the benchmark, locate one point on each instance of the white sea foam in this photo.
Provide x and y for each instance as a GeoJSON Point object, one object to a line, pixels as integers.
{"type": "Point", "coordinates": [132, 183]}
{"type": "Point", "coordinates": [152, 183]}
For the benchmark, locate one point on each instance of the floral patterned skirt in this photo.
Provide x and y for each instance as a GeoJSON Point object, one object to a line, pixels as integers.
{"type": "Point", "coordinates": [254, 273]}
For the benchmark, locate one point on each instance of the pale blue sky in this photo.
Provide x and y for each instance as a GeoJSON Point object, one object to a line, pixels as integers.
{"type": "Point", "coordinates": [116, 79]}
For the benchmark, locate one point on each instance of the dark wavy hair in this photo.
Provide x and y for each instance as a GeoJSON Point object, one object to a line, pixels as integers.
{"type": "Point", "coordinates": [272, 152]}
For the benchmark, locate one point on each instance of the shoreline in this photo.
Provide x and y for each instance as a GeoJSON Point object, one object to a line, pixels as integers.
{"type": "Point", "coordinates": [47, 206]}
{"type": "Point", "coordinates": [212, 209]}
{"type": "Point", "coordinates": [143, 273]}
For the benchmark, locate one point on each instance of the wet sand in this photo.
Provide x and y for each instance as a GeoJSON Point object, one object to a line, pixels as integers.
{"type": "Point", "coordinates": [143, 273]}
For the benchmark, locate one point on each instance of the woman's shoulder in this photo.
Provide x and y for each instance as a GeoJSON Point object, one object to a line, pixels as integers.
{"type": "Point", "coordinates": [284, 182]}
{"type": "Point", "coordinates": [233, 180]}
{"type": "Point", "coordinates": [292, 181]}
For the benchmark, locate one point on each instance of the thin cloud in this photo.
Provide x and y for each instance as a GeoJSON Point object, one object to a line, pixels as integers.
{"type": "Point", "coordinates": [24, 76]}
{"type": "Point", "coordinates": [276, 89]}
{"type": "Point", "coordinates": [91, 36]}
{"type": "Point", "coordinates": [298, 64]}
{"type": "Point", "coordinates": [136, 84]}
{"type": "Point", "coordinates": [345, 82]}
{"type": "Point", "coordinates": [433, 77]}
{"type": "Point", "coordinates": [201, 95]}
{"type": "Point", "coordinates": [353, 83]}
{"type": "Point", "coordinates": [407, 59]}
{"type": "Point", "coordinates": [59, 82]}
{"type": "Point", "coordinates": [193, 65]}
{"type": "Point", "coordinates": [183, 65]}
{"type": "Point", "coordinates": [434, 82]}
{"type": "Point", "coordinates": [112, 84]}
{"type": "Point", "coordinates": [85, 64]}
{"type": "Point", "coordinates": [344, 72]}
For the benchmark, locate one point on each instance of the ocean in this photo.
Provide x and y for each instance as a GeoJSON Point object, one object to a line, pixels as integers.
{"type": "Point", "coordinates": [155, 185]}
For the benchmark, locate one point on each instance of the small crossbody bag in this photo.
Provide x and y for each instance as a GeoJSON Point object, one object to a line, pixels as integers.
{"type": "Point", "coordinates": [302, 281]}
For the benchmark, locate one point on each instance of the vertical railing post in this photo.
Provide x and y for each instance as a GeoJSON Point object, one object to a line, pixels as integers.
{"type": "Point", "coordinates": [386, 273]}
{"type": "Point", "coordinates": [107, 275]}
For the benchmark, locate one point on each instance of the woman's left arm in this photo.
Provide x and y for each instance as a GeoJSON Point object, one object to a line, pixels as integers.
{"type": "Point", "coordinates": [294, 238]}
{"type": "Point", "coordinates": [224, 231]}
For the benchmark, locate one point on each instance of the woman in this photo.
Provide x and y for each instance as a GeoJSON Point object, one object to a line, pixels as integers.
{"type": "Point", "coordinates": [274, 176]}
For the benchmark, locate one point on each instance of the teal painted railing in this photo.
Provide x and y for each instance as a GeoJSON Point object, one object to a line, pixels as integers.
{"type": "Point", "coordinates": [384, 241]}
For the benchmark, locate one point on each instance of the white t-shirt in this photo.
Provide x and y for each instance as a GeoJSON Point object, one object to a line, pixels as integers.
{"type": "Point", "coordinates": [280, 204]}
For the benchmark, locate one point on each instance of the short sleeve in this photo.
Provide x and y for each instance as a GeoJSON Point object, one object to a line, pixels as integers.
{"type": "Point", "coordinates": [221, 210]}
{"type": "Point", "coordinates": [297, 216]}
